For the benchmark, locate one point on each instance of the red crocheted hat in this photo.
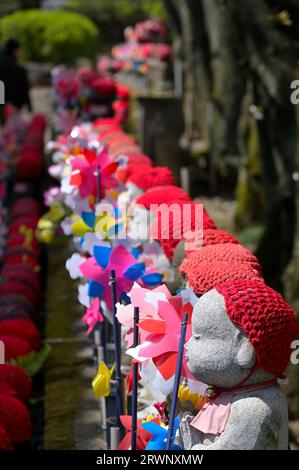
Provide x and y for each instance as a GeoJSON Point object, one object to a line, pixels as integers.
{"type": "Point", "coordinates": [16, 300]}
{"type": "Point", "coordinates": [23, 259]}
{"type": "Point", "coordinates": [266, 319]}
{"type": "Point", "coordinates": [212, 236]}
{"type": "Point", "coordinates": [8, 312]}
{"type": "Point", "coordinates": [162, 195]}
{"type": "Point", "coordinates": [171, 233]}
{"type": "Point", "coordinates": [124, 149]}
{"type": "Point", "coordinates": [104, 87]}
{"type": "Point", "coordinates": [14, 287]}
{"type": "Point", "coordinates": [21, 250]}
{"type": "Point", "coordinates": [25, 205]}
{"type": "Point", "coordinates": [207, 275]}
{"type": "Point", "coordinates": [15, 347]}
{"type": "Point", "coordinates": [21, 328]}
{"type": "Point", "coordinates": [229, 252]}
{"type": "Point", "coordinates": [24, 276]}
{"type": "Point", "coordinates": [157, 176]}
{"type": "Point", "coordinates": [17, 239]}
{"type": "Point", "coordinates": [123, 174]}
{"type": "Point", "coordinates": [5, 441]}
{"type": "Point", "coordinates": [17, 379]}
{"type": "Point", "coordinates": [15, 419]}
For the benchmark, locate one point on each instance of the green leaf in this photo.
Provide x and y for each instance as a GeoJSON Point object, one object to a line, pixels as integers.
{"type": "Point", "coordinates": [33, 362]}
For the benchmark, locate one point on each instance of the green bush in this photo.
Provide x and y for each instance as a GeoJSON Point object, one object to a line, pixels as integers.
{"type": "Point", "coordinates": [51, 36]}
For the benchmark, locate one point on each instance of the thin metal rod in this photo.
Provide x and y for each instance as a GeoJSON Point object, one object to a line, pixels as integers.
{"type": "Point", "coordinates": [170, 436]}
{"type": "Point", "coordinates": [135, 382]}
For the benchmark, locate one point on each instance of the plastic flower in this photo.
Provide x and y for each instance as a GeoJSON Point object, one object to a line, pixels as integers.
{"type": "Point", "coordinates": [101, 382]}
{"type": "Point", "coordinates": [196, 399]}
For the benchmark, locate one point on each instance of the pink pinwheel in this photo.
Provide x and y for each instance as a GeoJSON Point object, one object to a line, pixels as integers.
{"type": "Point", "coordinates": [97, 270]}
{"type": "Point", "coordinates": [147, 301]}
{"type": "Point", "coordinates": [84, 170]}
{"type": "Point", "coordinates": [93, 315]}
{"type": "Point", "coordinates": [160, 337]}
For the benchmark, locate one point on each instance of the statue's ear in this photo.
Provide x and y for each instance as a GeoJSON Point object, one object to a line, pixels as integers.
{"type": "Point", "coordinates": [245, 355]}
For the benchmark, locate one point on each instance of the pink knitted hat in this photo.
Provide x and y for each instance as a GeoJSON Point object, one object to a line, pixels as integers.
{"type": "Point", "coordinates": [229, 252]}
{"type": "Point", "coordinates": [266, 319]}
{"type": "Point", "coordinates": [204, 276]}
{"type": "Point", "coordinates": [157, 176]}
{"type": "Point", "coordinates": [170, 234]}
{"type": "Point", "coordinates": [162, 195]}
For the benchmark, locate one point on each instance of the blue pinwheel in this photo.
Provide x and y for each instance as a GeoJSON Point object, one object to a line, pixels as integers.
{"type": "Point", "coordinates": [159, 439]}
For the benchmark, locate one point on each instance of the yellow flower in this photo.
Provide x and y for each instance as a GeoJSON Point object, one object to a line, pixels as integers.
{"type": "Point", "coordinates": [196, 399]}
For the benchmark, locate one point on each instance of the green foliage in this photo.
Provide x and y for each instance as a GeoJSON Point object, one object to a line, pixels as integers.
{"type": "Point", "coordinates": [126, 11]}
{"type": "Point", "coordinates": [51, 36]}
{"type": "Point", "coordinates": [34, 361]}
{"type": "Point", "coordinates": [112, 16]}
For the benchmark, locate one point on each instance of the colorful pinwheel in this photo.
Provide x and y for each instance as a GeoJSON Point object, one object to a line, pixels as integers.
{"type": "Point", "coordinates": [159, 439]}
{"type": "Point", "coordinates": [143, 436]}
{"type": "Point", "coordinates": [84, 172]}
{"type": "Point", "coordinates": [159, 336]}
{"type": "Point", "coordinates": [97, 270]}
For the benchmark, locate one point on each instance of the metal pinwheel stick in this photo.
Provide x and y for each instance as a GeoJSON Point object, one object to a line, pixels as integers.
{"type": "Point", "coordinates": [117, 344]}
{"type": "Point", "coordinates": [135, 382]}
{"type": "Point", "coordinates": [101, 328]}
{"type": "Point", "coordinates": [170, 436]}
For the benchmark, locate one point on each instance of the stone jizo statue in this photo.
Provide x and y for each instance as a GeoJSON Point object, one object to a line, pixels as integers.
{"type": "Point", "coordinates": [242, 333]}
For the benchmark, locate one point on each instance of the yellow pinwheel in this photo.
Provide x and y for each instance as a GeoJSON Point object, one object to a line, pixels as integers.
{"type": "Point", "coordinates": [101, 382]}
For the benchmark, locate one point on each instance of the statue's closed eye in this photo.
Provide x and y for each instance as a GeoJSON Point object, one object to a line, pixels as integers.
{"type": "Point", "coordinates": [196, 337]}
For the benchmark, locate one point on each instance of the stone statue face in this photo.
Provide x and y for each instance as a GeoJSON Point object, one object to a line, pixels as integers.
{"type": "Point", "coordinates": [218, 352]}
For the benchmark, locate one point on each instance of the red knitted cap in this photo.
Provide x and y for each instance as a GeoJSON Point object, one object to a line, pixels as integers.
{"type": "Point", "coordinates": [266, 319]}
{"type": "Point", "coordinates": [207, 275]}
{"type": "Point", "coordinates": [5, 441]}
{"type": "Point", "coordinates": [15, 347]}
{"type": "Point", "coordinates": [157, 176]}
{"type": "Point", "coordinates": [21, 328]}
{"type": "Point", "coordinates": [162, 195]}
{"type": "Point", "coordinates": [211, 236]}
{"type": "Point", "coordinates": [105, 87]}
{"type": "Point", "coordinates": [17, 379]}
{"type": "Point", "coordinates": [15, 419]}
{"type": "Point", "coordinates": [229, 252]}
{"type": "Point", "coordinates": [123, 174]}
{"type": "Point", "coordinates": [170, 234]}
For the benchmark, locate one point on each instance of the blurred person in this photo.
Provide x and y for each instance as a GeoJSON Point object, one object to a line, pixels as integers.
{"type": "Point", "coordinates": [15, 78]}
